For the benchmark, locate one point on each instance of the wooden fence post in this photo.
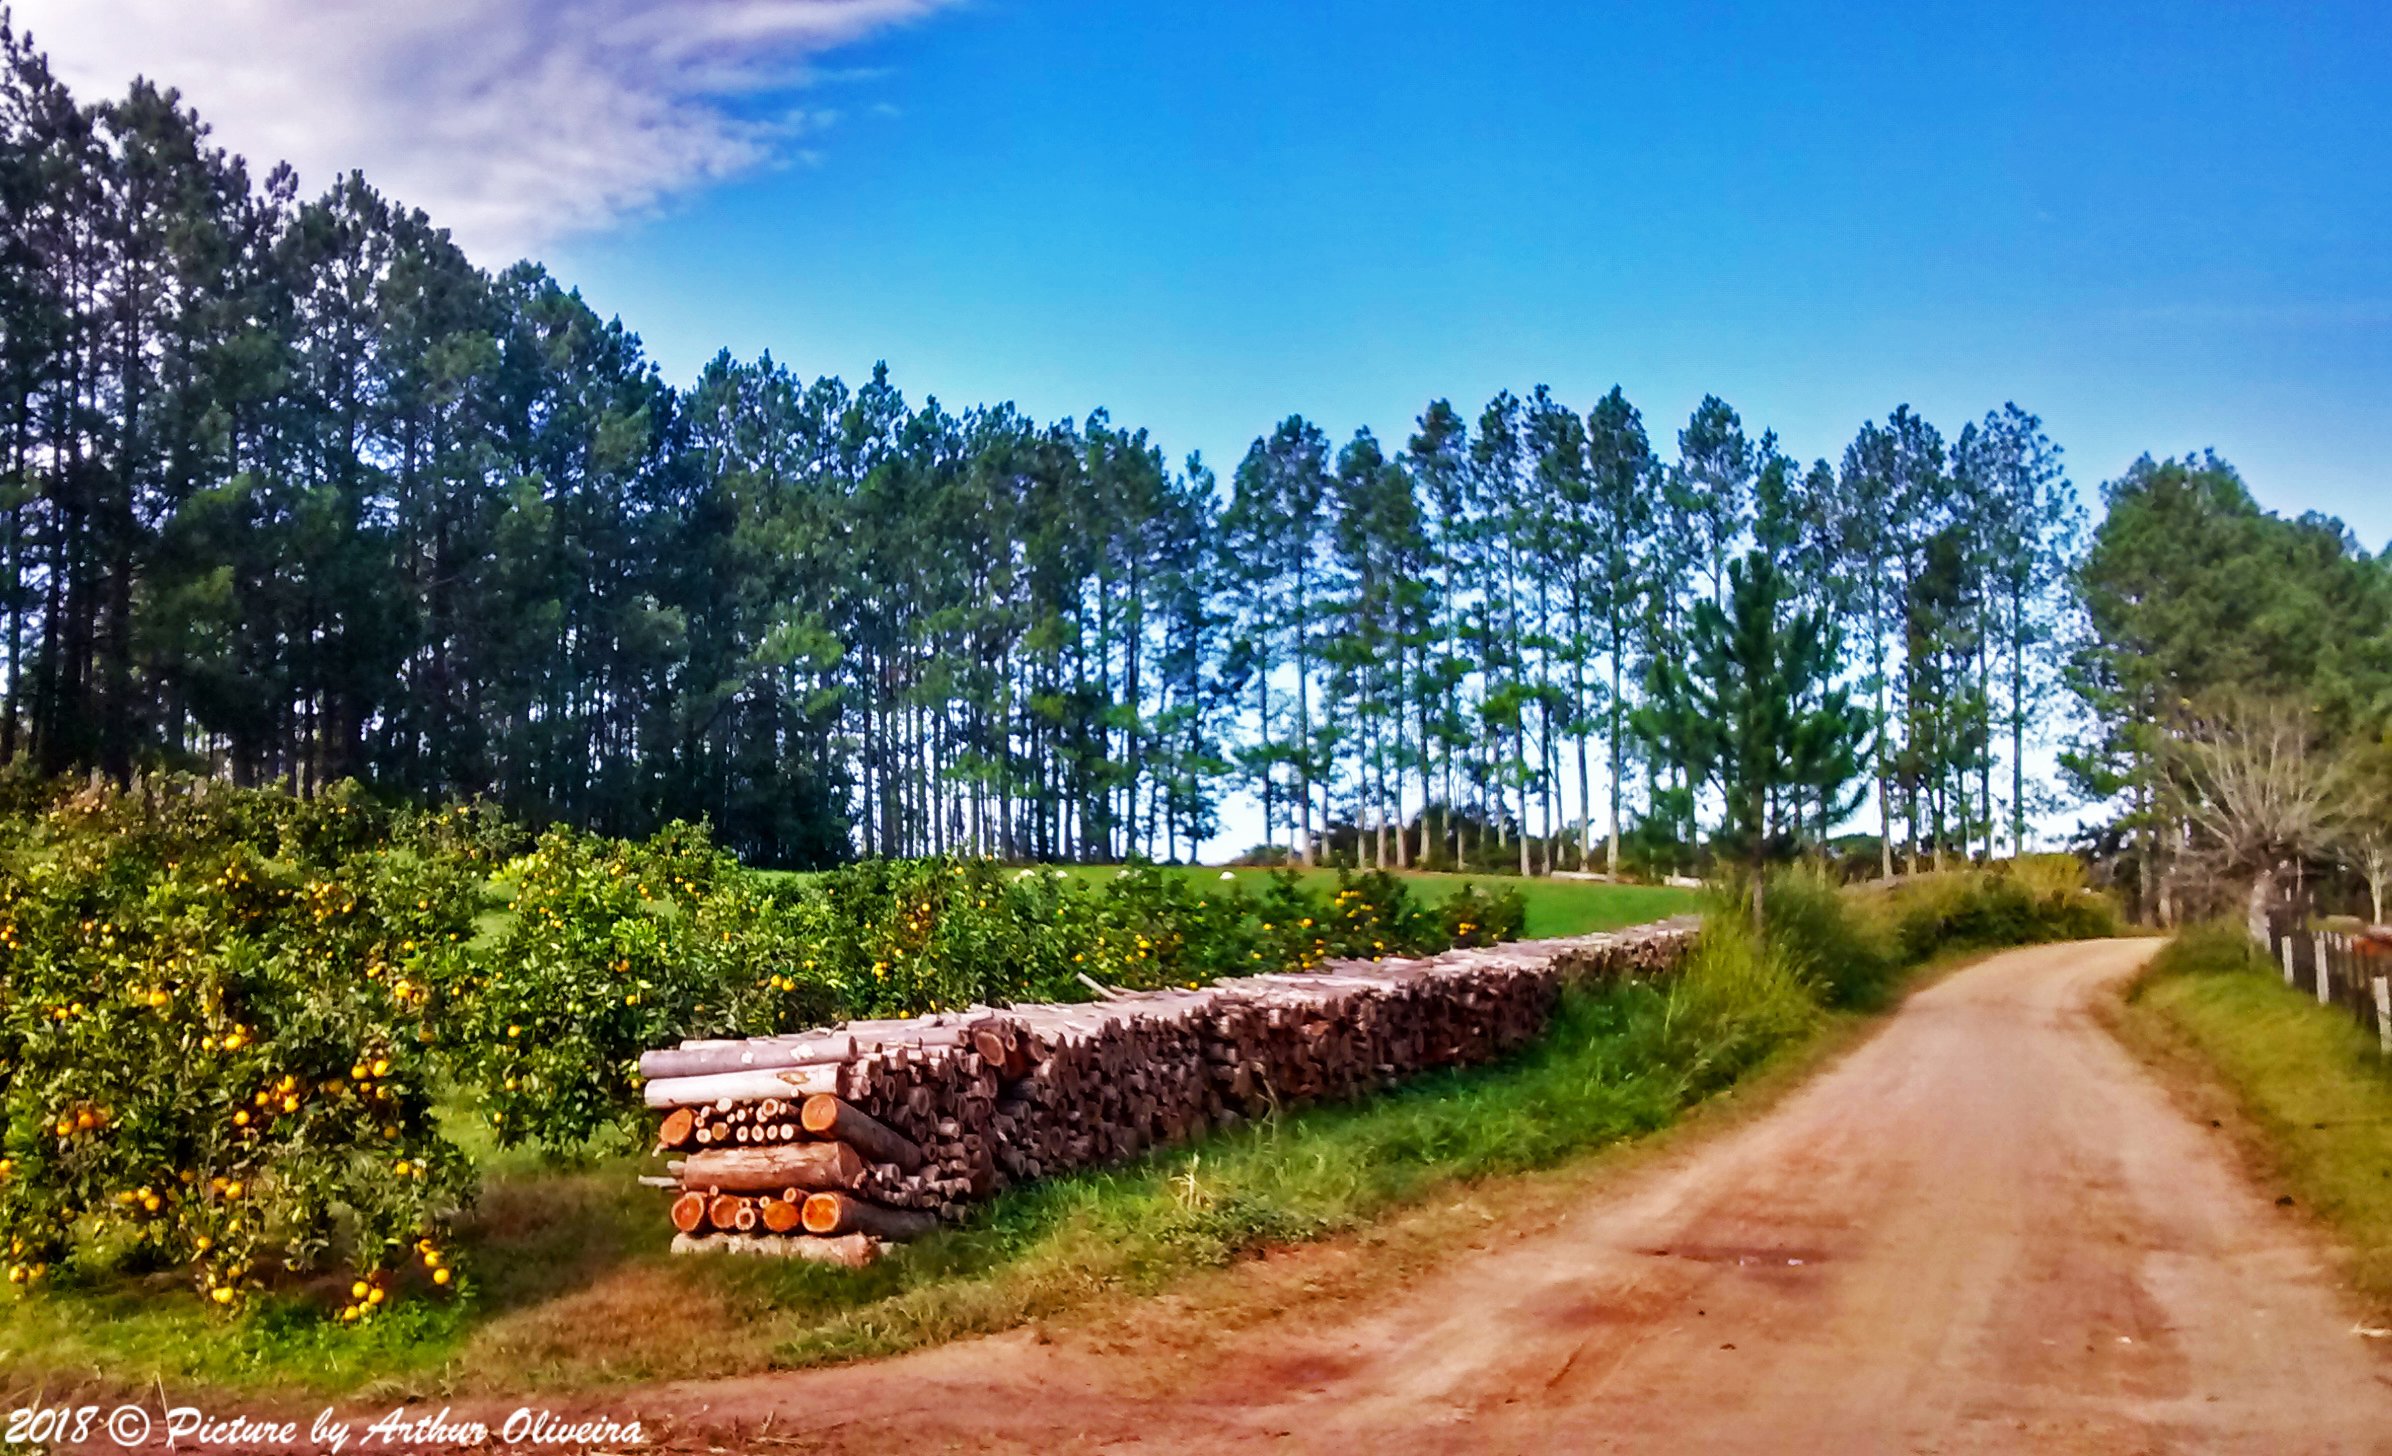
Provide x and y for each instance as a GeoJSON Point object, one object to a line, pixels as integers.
{"type": "Point", "coordinates": [2288, 981]}
{"type": "Point", "coordinates": [2325, 976]}
{"type": "Point", "coordinates": [2383, 1013]}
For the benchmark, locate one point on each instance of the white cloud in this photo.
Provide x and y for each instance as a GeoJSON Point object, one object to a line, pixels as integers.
{"type": "Point", "coordinates": [510, 121]}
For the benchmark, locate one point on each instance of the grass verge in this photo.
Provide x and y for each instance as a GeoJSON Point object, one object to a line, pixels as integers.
{"type": "Point", "coordinates": [2305, 1090]}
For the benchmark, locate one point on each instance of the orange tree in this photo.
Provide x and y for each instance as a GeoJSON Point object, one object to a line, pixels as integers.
{"type": "Point", "coordinates": [224, 1013]}
{"type": "Point", "coordinates": [614, 947]}
{"type": "Point", "coordinates": [216, 1036]}
{"type": "Point", "coordinates": [617, 947]}
{"type": "Point", "coordinates": [1144, 928]}
{"type": "Point", "coordinates": [1369, 915]}
{"type": "Point", "coordinates": [1470, 916]}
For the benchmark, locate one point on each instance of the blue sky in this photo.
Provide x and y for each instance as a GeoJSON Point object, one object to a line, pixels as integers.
{"type": "Point", "coordinates": [2161, 227]}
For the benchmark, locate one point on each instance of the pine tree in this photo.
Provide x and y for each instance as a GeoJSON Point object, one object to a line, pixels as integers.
{"type": "Point", "coordinates": [291, 491]}
{"type": "Point", "coordinates": [1620, 527]}
{"type": "Point", "coordinates": [2032, 526]}
{"type": "Point", "coordinates": [1756, 710]}
{"type": "Point", "coordinates": [1439, 460]}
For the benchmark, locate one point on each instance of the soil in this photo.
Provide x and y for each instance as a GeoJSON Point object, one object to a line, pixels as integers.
{"type": "Point", "coordinates": [1985, 1229]}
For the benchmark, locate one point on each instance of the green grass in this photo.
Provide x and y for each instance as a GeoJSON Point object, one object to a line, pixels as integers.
{"type": "Point", "coordinates": [2314, 1089]}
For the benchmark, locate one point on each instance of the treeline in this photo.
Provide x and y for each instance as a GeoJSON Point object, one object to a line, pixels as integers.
{"type": "Point", "coordinates": [2235, 669]}
{"type": "Point", "coordinates": [294, 492]}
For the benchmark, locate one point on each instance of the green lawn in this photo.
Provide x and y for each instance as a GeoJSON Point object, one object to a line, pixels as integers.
{"type": "Point", "coordinates": [1555, 907]}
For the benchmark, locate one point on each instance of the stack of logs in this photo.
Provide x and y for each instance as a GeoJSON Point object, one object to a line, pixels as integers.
{"type": "Point", "coordinates": [825, 1144]}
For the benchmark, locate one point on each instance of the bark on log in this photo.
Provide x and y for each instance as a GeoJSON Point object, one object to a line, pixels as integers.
{"type": "Point", "coordinates": [717, 1087]}
{"type": "Point", "coordinates": [853, 1251]}
{"type": "Point", "coordinates": [709, 1059]}
{"type": "Point", "coordinates": [830, 1214]}
{"type": "Point", "coordinates": [829, 1117]}
{"type": "Point", "coordinates": [809, 1166]}
{"type": "Point", "coordinates": [818, 1048]}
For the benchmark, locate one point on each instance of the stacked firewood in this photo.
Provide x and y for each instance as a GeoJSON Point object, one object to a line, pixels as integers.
{"type": "Point", "coordinates": [825, 1144]}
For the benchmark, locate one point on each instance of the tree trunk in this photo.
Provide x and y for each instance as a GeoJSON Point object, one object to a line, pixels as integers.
{"type": "Point", "coordinates": [2255, 911]}
{"type": "Point", "coordinates": [1612, 849]}
{"type": "Point", "coordinates": [1885, 799]}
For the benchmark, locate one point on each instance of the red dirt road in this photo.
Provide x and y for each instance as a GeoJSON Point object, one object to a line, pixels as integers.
{"type": "Point", "coordinates": [1986, 1229]}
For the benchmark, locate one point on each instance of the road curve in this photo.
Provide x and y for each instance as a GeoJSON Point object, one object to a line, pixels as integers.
{"type": "Point", "coordinates": [1985, 1229]}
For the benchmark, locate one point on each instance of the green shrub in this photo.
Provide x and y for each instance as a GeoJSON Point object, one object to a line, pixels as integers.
{"type": "Point", "coordinates": [2215, 947]}
{"type": "Point", "coordinates": [1375, 914]}
{"type": "Point", "coordinates": [1825, 940]}
{"type": "Point", "coordinates": [1849, 945]}
{"type": "Point", "coordinates": [615, 947]}
{"type": "Point", "coordinates": [2045, 875]}
{"type": "Point", "coordinates": [1143, 928]}
{"type": "Point", "coordinates": [890, 936]}
{"type": "Point", "coordinates": [217, 1040]}
{"type": "Point", "coordinates": [1475, 917]}
{"type": "Point", "coordinates": [1986, 908]}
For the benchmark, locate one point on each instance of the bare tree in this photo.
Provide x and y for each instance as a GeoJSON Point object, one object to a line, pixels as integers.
{"type": "Point", "coordinates": [2373, 851]}
{"type": "Point", "coordinates": [2259, 787]}
{"type": "Point", "coordinates": [2366, 839]}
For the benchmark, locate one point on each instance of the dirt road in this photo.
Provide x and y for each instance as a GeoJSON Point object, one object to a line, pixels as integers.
{"type": "Point", "coordinates": [1986, 1229]}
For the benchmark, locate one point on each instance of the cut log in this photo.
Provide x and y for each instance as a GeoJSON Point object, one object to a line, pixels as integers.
{"type": "Point", "coordinates": [765, 1054]}
{"type": "Point", "coordinates": [680, 1125]}
{"type": "Point", "coordinates": [829, 1117]}
{"type": "Point", "coordinates": [689, 1212]}
{"type": "Point", "coordinates": [782, 1216]}
{"type": "Point", "coordinates": [729, 1213]}
{"type": "Point", "coordinates": [829, 1214]}
{"type": "Point", "coordinates": [809, 1166]}
{"type": "Point", "coordinates": [725, 1087]}
{"type": "Point", "coordinates": [807, 1049]}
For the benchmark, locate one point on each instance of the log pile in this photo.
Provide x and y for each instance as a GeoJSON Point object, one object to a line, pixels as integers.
{"type": "Point", "coordinates": [825, 1144]}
